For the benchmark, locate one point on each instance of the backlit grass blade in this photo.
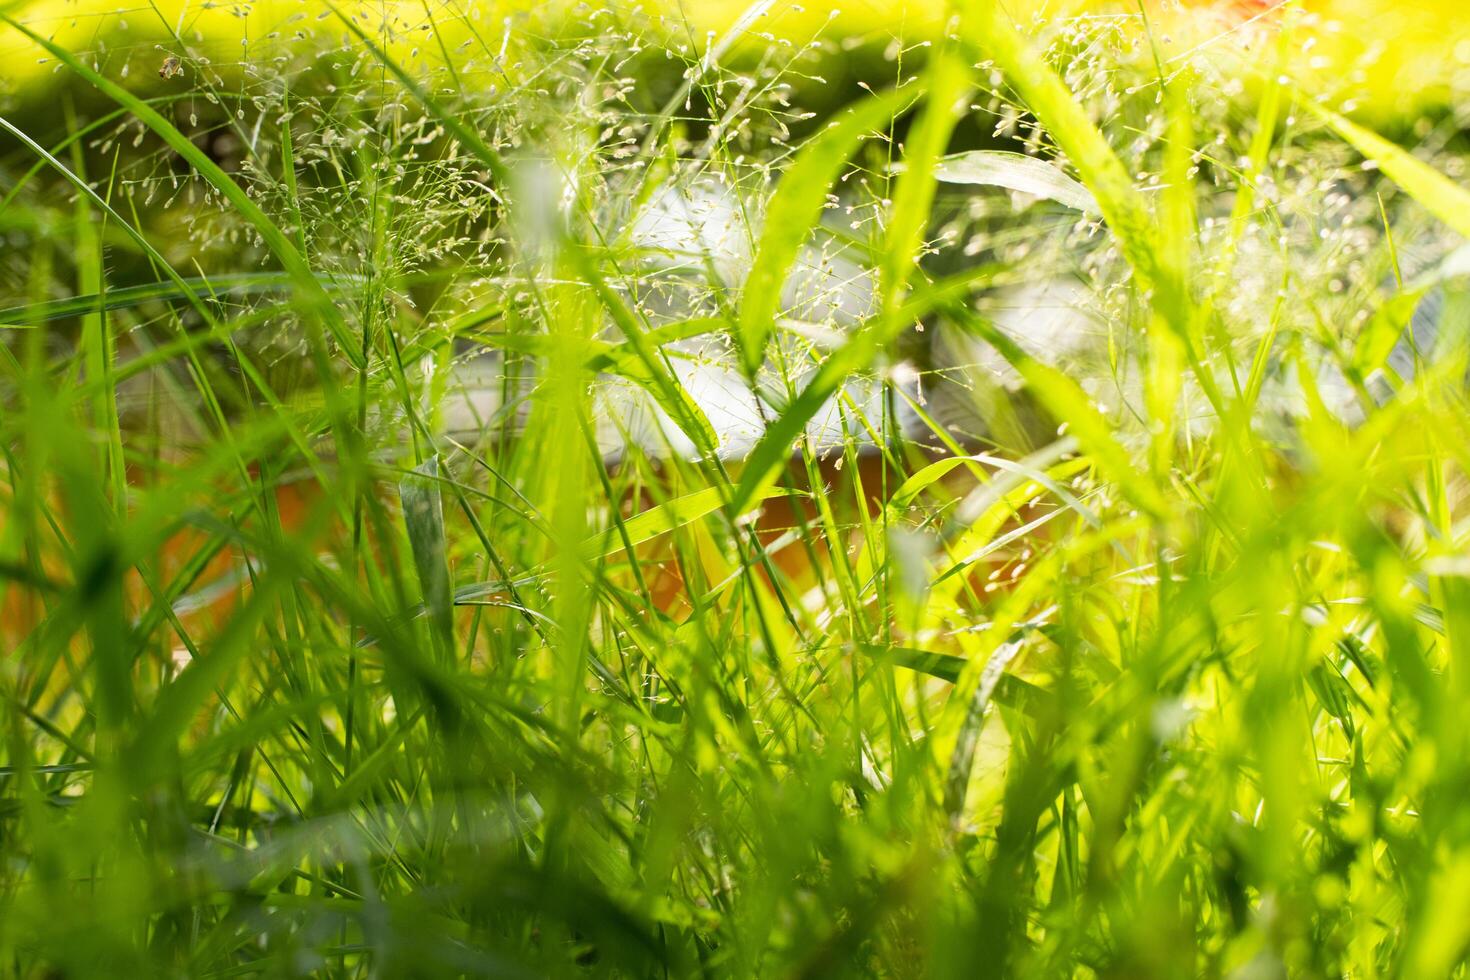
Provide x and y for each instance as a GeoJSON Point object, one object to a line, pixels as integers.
{"type": "Point", "coordinates": [1440, 196]}
{"type": "Point", "coordinates": [947, 80]}
{"type": "Point", "coordinates": [661, 519]}
{"type": "Point", "coordinates": [642, 363]}
{"type": "Point", "coordinates": [794, 209]}
{"type": "Point", "coordinates": [957, 782]}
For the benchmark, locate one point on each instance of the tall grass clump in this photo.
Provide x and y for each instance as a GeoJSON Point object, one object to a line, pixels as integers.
{"type": "Point", "coordinates": [489, 493]}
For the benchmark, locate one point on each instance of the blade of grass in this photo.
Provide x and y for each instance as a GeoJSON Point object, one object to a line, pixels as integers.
{"type": "Point", "coordinates": [1017, 172]}
{"type": "Point", "coordinates": [130, 297]}
{"type": "Point", "coordinates": [423, 515]}
{"type": "Point", "coordinates": [947, 79]}
{"type": "Point", "coordinates": [1066, 400]}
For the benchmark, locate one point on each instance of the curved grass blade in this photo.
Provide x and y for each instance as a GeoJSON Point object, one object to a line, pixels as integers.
{"type": "Point", "coordinates": [947, 77]}
{"type": "Point", "coordinates": [1016, 172]}
{"type": "Point", "coordinates": [795, 208]}
{"type": "Point", "coordinates": [71, 137]}
{"type": "Point", "coordinates": [86, 190]}
{"type": "Point", "coordinates": [946, 80]}
{"type": "Point", "coordinates": [962, 760]}
{"type": "Point", "coordinates": [1009, 690]}
{"type": "Point", "coordinates": [1066, 400]}
{"type": "Point", "coordinates": [176, 705]}
{"type": "Point", "coordinates": [643, 366]}
{"type": "Point", "coordinates": [710, 60]}
{"type": "Point", "coordinates": [274, 238]}
{"type": "Point", "coordinates": [663, 518]}
{"type": "Point", "coordinates": [989, 30]}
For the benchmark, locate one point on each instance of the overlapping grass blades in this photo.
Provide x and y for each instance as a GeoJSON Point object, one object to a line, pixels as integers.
{"type": "Point", "coordinates": [294, 684]}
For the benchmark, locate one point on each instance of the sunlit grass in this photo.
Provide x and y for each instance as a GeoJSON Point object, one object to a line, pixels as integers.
{"type": "Point", "coordinates": [558, 505]}
{"type": "Point", "coordinates": [1390, 57]}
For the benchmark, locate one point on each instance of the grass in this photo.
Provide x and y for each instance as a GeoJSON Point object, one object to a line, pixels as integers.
{"type": "Point", "coordinates": [1137, 650]}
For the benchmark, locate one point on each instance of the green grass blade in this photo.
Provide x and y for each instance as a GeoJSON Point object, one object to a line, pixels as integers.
{"type": "Point", "coordinates": [423, 515]}
{"type": "Point", "coordinates": [795, 208]}
{"type": "Point", "coordinates": [275, 239]}
{"type": "Point", "coordinates": [129, 297]}
{"type": "Point", "coordinates": [1440, 196]}
{"type": "Point", "coordinates": [947, 79]}
{"type": "Point", "coordinates": [988, 29]}
{"type": "Point", "coordinates": [1016, 172]}
{"type": "Point", "coordinates": [462, 132]}
{"type": "Point", "coordinates": [661, 519]}
{"type": "Point", "coordinates": [1066, 400]}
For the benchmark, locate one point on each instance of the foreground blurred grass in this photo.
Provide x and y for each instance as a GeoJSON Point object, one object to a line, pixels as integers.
{"type": "Point", "coordinates": [296, 684]}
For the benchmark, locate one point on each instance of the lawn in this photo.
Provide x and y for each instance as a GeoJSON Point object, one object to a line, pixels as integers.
{"type": "Point", "coordinates": [644, 491]}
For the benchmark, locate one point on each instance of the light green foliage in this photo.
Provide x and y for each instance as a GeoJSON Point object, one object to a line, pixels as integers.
{"type": "Point", "coordinates": [388, 587]}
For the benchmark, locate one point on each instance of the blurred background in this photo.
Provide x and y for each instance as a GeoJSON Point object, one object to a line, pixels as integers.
{"type": "Point", "coordinates": [1395, 55]}
{"type": "Point", "coordinates": [227, 74]}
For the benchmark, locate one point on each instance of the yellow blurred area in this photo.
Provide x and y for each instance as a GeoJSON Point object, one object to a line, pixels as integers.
{"type": "Point", "coordinates": [137, 36]}
{"type": "Point", "coordinates": [1393, 55]}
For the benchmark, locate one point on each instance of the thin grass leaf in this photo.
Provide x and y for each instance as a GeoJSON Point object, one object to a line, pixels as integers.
{"type": "Point", "coordinates": [423, 516]}
{"type": "Point", "coordinates": [1017, 172]}
{"type": "Point", "coordinates": [962, 760]}
{"type": "Point", "coordinates": [275, 239]}
{"type": "Point", "coordinates": [661, 519]}
{"type": "Point", "coordinates": [993, 37]}
{"type": "Point", "coordinates": [1010, 690]}
{"type": "Point", "coordinates": [1066, 400]}
{"type": "Point", "coordinates": [1440, 196]}
{"type": "Point", "coordinates": [1385, 330]}
{"type": "Point", "coordinates": [948, 79]}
